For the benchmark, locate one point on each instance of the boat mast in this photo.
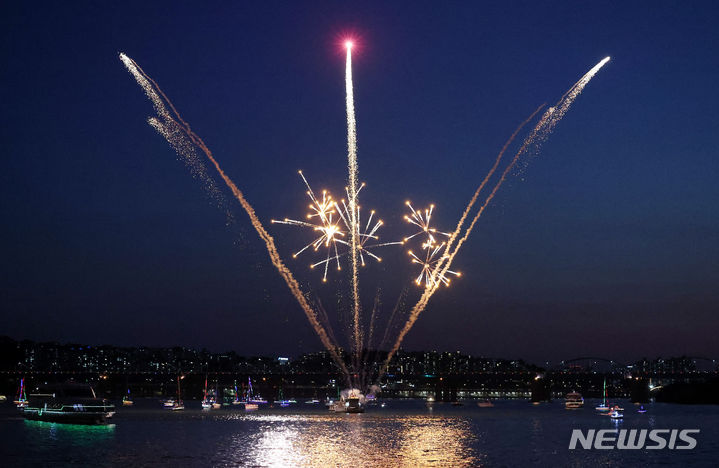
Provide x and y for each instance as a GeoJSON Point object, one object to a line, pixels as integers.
{"type": "Point", "coordinates": [604, 396]}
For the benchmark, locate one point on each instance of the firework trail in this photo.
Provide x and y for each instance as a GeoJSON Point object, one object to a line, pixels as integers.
{"type": "Point", "coordinates": [172, 132]}
{"type": "Point", "coordinates": [171, 128]}
{"type": "Point", "coordinates": [352, 193]}
{"type": "Point", "coordinates": [538, 135]}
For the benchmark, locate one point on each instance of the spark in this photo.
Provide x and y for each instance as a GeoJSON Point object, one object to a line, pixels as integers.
{"type": "Point", "coordinates": [432, 257]}
{"type": "Point", "coordinates": [333, 221]}
{"type": "Point", "coordinates": [352, 195]}
{"type": "Point", "coordinates": [323, 218]}
{"type": "Point", "coordinates": [435, 251]}
{"type": "Point", "coordinates": [422, 220]}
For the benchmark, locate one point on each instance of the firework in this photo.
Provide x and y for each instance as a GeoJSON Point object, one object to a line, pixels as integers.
{"type": "Point", "coordinates": [323, 218]}
{"type": "Point", "coordinates": [352, 193]}
{"type": "Point", "coordinates": [435, 251]}
{"type": "Point", "coordinates": [333, 222]}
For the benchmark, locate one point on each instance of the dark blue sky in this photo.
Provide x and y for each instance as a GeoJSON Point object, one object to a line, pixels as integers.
{"type": "Point", "coordinates": [606, 244]}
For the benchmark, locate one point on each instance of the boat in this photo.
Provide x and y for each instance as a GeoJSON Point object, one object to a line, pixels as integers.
{"type": "Point", "coordinates": [336, 406]}
{"type": "Point", "coordinates": [216, 404]}
{"type": "Point", "coordinates": [168, 403]}
{"type": "Point", "coordinates": [236, 401]}
{"type": "Point", "coordinates": [313, 401]}
{"type": "Point", "coordinates": [603, 407]}
{"type": "Point", "coordinates": [616, 413]}
{"type": "Point", "coordinates": [457, 403]}
{"type": "Point", "coordinates": [177, 405]}
{"type": "Point", "coordinates": [21, 400]}
{"type": "Point", "coordinates": [430, 400]}
{"type": "Point", "coordinates": [485, 404]}
{"type": "Point", "coordinates": [126, 400]}
{"type": "Point", "coordinates": [353, 403]}
{"type": "Point", "coordinates": [251, 397]}
{"type": "Point", "coordinates": [573, 400]}
{"type": "Point", "coordinates": [642, 409]}
{"type": "Point", "coordinates": [281, 400]}
{"type": "Point", "coordinates": [69, 403]}
{"type": "Point", "coordinates": [3, 398]}
{"type": "Point", "coordinates": [206, 402]}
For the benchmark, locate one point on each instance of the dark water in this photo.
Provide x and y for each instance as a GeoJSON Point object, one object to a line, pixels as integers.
{"type": "Point", "coordinates": [405, 433]}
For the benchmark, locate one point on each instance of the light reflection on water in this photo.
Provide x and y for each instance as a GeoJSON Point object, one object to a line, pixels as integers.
{"type": "Point", "coordinates": [352, 440]}
{"type": "Point", "coordinates": [406, 433]}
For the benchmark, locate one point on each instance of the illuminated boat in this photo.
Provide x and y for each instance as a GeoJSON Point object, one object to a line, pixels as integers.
{"type": "Point", "coordinates": [603, 407]}
{"type": "Point", "coordinates": [573, 400]}
{"type": "Point", "coordinates": [176, 405]}
{"type": "Point", "coordinates": [616, 413]}
{"type": "Point", "coordinates": [126, 400]}
{"type": "Point", "coordinates": [353, 404]}
{"type": "Point", "coordinates": [68, 403]}
{"type": "Point", "coordinates": [237, 400]}
{"type": "Point", "coordinates": [21, 400]}
{"type": "Point", "coordinates": [206, 401]}
{"type": "Point", "coordinates": [216, 399]}
{"type": "Point", "coordinates": [485, 404]}
{"type": "Point", "coordinates": [251, 397]}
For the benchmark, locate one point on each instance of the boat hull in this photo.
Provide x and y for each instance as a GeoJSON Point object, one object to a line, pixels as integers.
{"type": "Point", "coordinates": [68, 417]}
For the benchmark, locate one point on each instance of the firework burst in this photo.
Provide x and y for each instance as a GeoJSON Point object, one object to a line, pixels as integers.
{"type": "Point", "coordinates": [434, 251]}
{"type": "Point", "coordinates": [333, 221]}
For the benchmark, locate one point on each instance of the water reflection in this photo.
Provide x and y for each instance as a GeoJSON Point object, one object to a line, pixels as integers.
{"type": "Point", "coordinates": [354, 440]}
{"type": "Point", "coordinates": [78, 434]}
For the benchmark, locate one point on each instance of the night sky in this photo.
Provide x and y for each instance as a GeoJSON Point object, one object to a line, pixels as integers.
{"type": "Point", "coordinates": [605, 244]}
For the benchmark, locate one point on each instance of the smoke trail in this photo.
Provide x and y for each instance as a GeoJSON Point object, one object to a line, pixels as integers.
{"type": "Point", "coordinates": [352, 191]}
{"type": "Point", "coordinates": [172, 132]}
{"type": "Point", "coordinates": [538, 135]}
{"type": "Point", "coordinates": [366, 350]}
{"type": "Point", "coordinates": [170, 129]}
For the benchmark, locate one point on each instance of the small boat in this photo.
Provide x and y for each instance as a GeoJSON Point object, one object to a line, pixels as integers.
{"type": "Point", "coordinates": [573, 400]}
{"type": "Point", "coordinates": [457, 403]}
{"type": "Point", "coordinates": [429, 401]}
{"type": "Point", "coordinates": [641, 409]}
{"type": "Point", "coordinates": [236, 401]}
{"type": "Point", "coordinates": [168, 403]}
{"type": "Point", "coordinates": [216, 403]}
{"type": "Point", "coordinates": [251, 406]}
{"type": "Point", "coordinates": [21, 400]}
{"type": "Point", "coordinates": [177, 405]}
{"type": "Point", "coordinates": [69, 403]}
{"type": "Point", "coordinates": [603, 407]}
{"type": "Point", "coordinates": [313, 401]}
{"type": "Point", "coordinates": [126, 400]}
{"type": "Point", "coordinates": [353, 404]}
{"type": "Point", "coordinates": [206, 403]}
{"type": "Point", "coordinates": [336, 406]}
{"type": "Point", "coordinates": [282, 402]}
{"type": "Point", "coordinates": [485, 404]}
{"type": "Point", "coordinates": [251, 397]}
{"type": "Point", "coordinates": [616, 413]}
